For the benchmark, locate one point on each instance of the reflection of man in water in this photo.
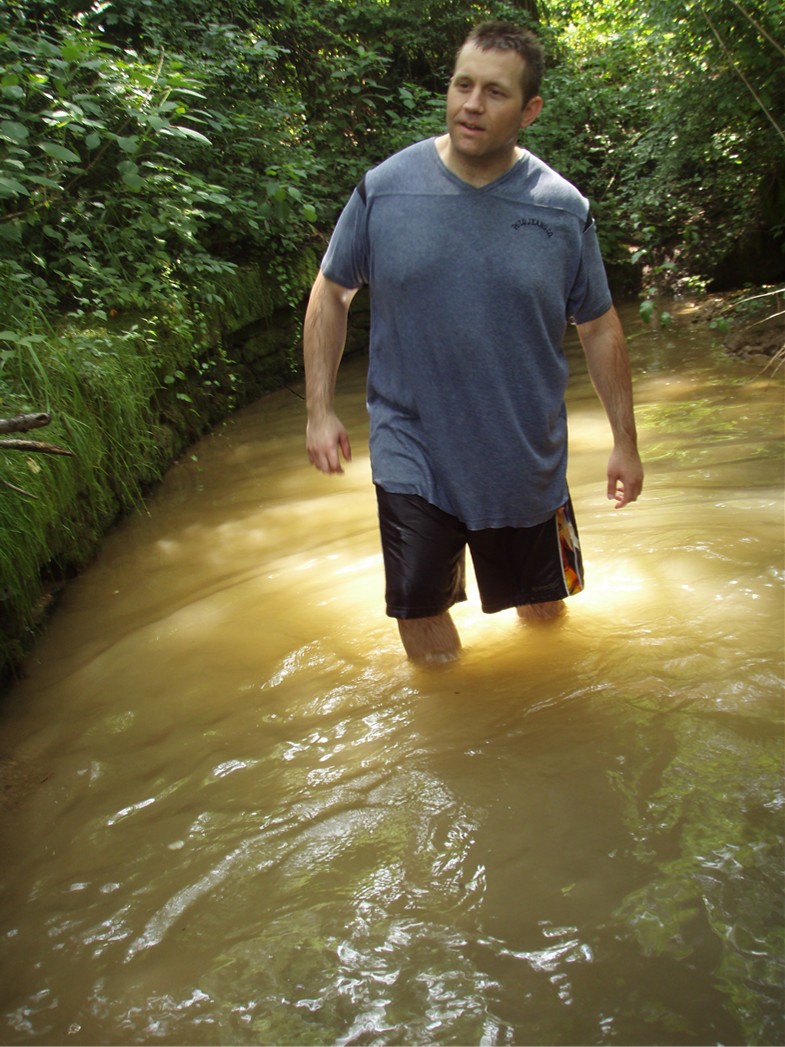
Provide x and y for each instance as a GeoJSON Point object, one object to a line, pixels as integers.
{"type": "Point", "coordinates": [476, 255]}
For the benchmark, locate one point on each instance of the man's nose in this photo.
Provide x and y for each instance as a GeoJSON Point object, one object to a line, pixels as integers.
{"type": "Point", "coordinates": [474, 100]}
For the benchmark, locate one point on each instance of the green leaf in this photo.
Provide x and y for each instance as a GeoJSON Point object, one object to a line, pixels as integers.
{"type": "Point", "coordinates": [133, 180]}
{"type": "Point", "coordinates": [720, 324]}
{"type": "Point", "coordinates": [47, 183]}
{"type": "Point", "coordinates": [646, 310]}
{"type": "Point", "coordinates": [72, 51]}
{"type": "Point", "coordinates": [155, 122]}
{"type": "Point", "coordinates": [11, 232]}
{"type": "Point", "coordinates": [188, 132]}
{"type": "Point", "coordinates": [10, 187]}
{"type": "Point", "coordinates": [128, 145]}
{"type": "Point", "coordinates": [13, 131]}
{"type": "Point", "coordinates": [92, 141]}
{"type": "Point", "coordinates": [59, 152]}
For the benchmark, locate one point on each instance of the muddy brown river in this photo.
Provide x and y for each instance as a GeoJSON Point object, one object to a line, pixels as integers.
{"type": "Point", "coordinates": [234, 814]}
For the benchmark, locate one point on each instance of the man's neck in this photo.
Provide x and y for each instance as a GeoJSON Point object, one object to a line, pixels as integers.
{"type": "Point", "coordinates": [475, 174]}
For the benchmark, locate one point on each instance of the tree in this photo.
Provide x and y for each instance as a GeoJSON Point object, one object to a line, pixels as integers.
{"type": "Point", "coordinates": [671, 117]}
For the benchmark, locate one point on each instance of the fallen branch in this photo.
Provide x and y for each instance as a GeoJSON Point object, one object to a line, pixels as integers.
{"type": "Point", "coordinates": [20, 490]}
{"type": "Point", "coordinates": [24, 422]}
{"type": "Point", "coordinates": [33, 445]}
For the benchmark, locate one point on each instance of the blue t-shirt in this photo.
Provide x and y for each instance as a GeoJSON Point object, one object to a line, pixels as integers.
{"type": "Point", "coordinates": [471, 292]}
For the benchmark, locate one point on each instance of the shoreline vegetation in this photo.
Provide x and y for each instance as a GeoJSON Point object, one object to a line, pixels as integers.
{"type": "Point", "coordinates": [751, 324]}
{"type": "Point", "coordinates": [170, 173]}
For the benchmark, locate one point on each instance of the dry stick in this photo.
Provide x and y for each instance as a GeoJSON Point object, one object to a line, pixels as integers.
{"type": "Point", "coordinates": [33, 445]}
{"type": "Point", "coordinates": [21, 424]}
{"type": "Point", "coordinates": [20, 490]}
{"type": "Point", "coordinates": [24, 422]}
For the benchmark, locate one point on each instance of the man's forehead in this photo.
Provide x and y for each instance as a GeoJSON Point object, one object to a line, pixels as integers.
{"type": "Point", "coordinates": [489, 65]}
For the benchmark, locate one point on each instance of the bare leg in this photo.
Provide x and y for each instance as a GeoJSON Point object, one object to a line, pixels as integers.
{"type": "Point", "coordinates": [542, 612]}
{"type": "Point", "coordinates": [430, 639]}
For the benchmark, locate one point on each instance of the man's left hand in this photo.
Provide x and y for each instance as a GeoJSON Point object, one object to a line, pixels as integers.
{"type": "Point", "coordinates": [625, 476]}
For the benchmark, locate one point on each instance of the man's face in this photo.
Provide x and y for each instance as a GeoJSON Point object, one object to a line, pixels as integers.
{"type": "Point", "coordinates": [485, 105]}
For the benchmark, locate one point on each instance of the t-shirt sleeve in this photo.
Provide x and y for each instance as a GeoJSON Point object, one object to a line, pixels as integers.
{"type": "Point", "coordinates": [346, 259]}
{"type": "Point", "coordinates": [590, 296]}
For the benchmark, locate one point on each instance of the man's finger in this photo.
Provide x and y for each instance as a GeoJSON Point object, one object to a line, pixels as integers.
{"type": "Point", "coordinates": [346, 447]}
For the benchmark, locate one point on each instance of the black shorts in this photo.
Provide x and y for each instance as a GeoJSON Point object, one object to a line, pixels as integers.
{"type": "Point", "coordinates": [424, 551]}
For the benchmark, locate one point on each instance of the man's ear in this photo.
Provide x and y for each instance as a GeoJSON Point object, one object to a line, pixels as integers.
{"type": "Point", "coordinates": [531, 111]}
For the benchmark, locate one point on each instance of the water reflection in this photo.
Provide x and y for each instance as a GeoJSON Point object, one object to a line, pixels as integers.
{"type": "Point", "coordinates": [233, 814]}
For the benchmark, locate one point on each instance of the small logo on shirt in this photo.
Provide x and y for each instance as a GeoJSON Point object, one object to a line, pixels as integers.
{"type": "Point", "coordinates": [533, 221]}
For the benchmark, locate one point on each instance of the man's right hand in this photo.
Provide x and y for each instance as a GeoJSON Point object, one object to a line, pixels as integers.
{"type": "Point", "coordinates": [325, 440]}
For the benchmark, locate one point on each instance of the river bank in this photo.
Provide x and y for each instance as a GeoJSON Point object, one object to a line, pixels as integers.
{"type": "Point", "coordinates": [750, 323]}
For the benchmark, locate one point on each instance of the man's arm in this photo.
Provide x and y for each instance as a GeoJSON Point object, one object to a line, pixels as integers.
{"type": "Point", "coordinates": [605, 347]}
{"type": "Point", "coordinates": [324, 338]}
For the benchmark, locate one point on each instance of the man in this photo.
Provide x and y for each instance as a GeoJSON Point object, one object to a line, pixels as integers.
{"type": "Point", "coordinates": [476, 255]}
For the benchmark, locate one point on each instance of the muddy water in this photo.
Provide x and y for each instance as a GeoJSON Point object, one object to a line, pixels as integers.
{"type": "Point", "coordinates": [234, 814]}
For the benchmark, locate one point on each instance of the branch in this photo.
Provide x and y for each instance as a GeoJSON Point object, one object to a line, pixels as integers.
{"type": "Point", "coordinates": [759, 27]}
{"type": "Point", "coordinates": [746, 82]}
{"type": "Point", "coordinates": [20, 490]}
{"type": "Point", "coordinates": [22, 423]}
{"type": "Point", "coordinates": [33, 445]}
{"type": "Point", "coordinates": [765, 319]}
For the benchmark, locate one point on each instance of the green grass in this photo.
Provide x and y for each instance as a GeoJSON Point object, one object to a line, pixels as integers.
{"type": "Point", "coordinates": [99, 389]}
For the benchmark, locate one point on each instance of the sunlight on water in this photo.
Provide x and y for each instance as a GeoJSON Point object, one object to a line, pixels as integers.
{"type": "Point", "coordinates": [233, 813]}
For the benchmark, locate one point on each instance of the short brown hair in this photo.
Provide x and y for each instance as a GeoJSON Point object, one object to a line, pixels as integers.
{"type": "Point", "coordinates": [504, 36]}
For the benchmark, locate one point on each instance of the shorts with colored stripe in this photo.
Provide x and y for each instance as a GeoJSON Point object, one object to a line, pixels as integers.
{"type": "Point", "coordinates": [424, 550]}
